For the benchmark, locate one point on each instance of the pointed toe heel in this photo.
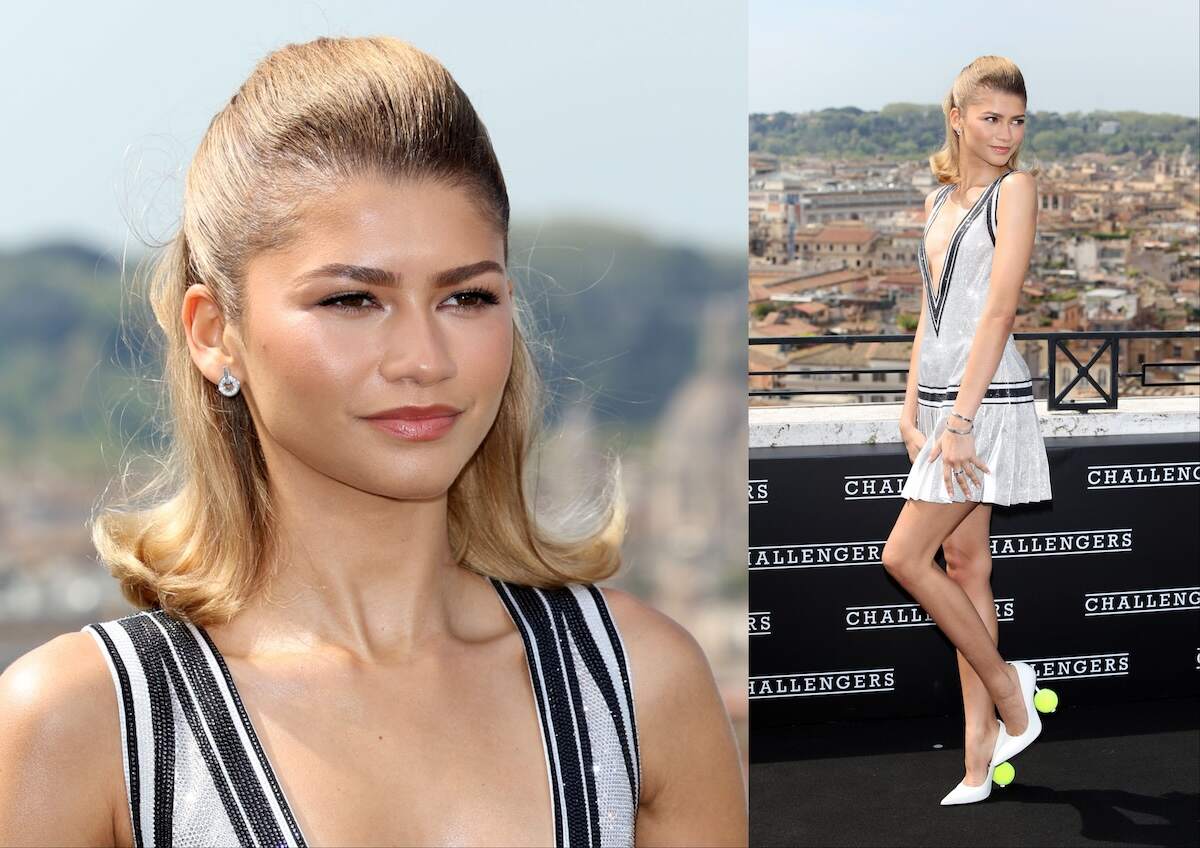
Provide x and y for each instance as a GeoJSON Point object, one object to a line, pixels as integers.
{"type": "Point", "coordinates": [964, 794]}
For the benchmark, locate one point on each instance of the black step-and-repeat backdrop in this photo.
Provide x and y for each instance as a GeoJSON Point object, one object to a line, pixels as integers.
{"type": "Point", "coordinates": [1098, 589]}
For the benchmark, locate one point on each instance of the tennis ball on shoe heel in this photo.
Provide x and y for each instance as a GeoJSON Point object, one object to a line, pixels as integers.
{"type": "Point", "coordinates": [1046, 700]}
{"type": "Point", "coordinates": [1004, 773]}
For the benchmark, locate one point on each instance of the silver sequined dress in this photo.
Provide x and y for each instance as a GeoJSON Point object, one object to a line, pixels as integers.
{"type": "Point", "coordinates": [196, 773]}
{"type": "Point", "coordinates": [1007, 436]}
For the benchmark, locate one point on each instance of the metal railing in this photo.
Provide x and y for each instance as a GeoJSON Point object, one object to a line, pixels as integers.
{"type": "Point", "coordinates": [1110, 342]}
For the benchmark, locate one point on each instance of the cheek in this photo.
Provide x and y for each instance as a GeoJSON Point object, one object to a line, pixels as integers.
{"type": "Point", "coordinates": [485, 353]}
{"type": "Point", "coordinates": [300, 362]}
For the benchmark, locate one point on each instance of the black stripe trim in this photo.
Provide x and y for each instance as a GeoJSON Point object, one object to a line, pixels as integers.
{"type": "Point", "coordinates": [539, 698]}
{"type": "Point", "coordinates": [162, 720]}
{"type": "Point", "coordinates": [565, 741]}
{"type": "Point", "coordinates": [584, 737]}
{"type": "Point", "coordinates": [272, 780]}
{"type": "Point", "coordinates": [135, 792]}
{"type": "Point", "coordinates": [233, 754]}
{"type": "Point", "coordinates": [952, 394]}
{"type": "Point", "coordinates": [619, 651]}
{"type": "Point", "coordinates": [993, 217]}
{"type": "Point", "coordinates": [568, 605]}
{"type": "Point", "coordinates": [152, 645]}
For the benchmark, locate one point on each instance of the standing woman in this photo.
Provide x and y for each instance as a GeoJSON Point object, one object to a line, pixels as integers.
{"type": "Point", "coordinates": [969, 421]}
{"type": "Point", "coordinates": [354, 629]}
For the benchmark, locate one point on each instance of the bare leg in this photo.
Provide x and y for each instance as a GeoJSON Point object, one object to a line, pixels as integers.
{"type": "Point", "coordinates": [969, 564]}
{"type": "Point", "coordinates": [908, 556]}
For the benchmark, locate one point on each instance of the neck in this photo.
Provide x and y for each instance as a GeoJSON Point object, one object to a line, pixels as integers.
{"type": "Point", "coordinates": [355, 574]}
{"type": "Point", "coordinates": [973, 171]}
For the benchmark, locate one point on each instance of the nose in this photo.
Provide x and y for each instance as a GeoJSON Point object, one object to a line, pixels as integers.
{"type": "Point", "coordinates": [416, 348]}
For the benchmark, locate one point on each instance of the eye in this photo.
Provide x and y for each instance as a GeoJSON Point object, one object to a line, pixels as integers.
{"type": "Point", "coordinates": [338, 301]}
{"type": "Point", "coordinates": [474, 299]}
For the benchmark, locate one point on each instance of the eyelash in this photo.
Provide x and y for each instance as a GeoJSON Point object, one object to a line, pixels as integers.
{"type": "Point", "coordinates": [993, 117]}
{"type": "Point", "coordinates": [487, 298]}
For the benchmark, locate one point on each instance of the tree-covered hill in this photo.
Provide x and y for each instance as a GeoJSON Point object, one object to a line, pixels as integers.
{"type": "Point", "coordinates": [912, 130]}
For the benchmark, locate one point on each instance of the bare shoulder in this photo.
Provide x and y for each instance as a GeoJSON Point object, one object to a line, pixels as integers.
{"type": "Point", "coordinates": [693, 790]}
{"type": "Point", "coordinates": [1017, 192]}
{"type": "Point", "coordinates": [59, 744]}
{"type": "Point", "coordinates": [929, 198]}
{"type": "Point", "coordinates": [669, 662]}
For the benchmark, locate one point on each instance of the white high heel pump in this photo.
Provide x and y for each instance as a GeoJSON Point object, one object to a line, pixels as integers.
{"type": "Point", "coordinates": [1007, 746]}
{"type": "Point", "coordinates": [967, 794]}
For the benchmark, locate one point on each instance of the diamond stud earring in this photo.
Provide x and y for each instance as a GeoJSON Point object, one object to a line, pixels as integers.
{"type": "Point", "coordinates": [229, 384]}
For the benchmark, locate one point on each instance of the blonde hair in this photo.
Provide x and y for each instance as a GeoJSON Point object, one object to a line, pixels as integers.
{"type": "Point", "coordinates": [196, 539]}
{"type": "Point", "coordinates": [987, 73]}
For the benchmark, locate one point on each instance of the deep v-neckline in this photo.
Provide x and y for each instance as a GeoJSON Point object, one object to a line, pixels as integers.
{"type": "Point", "coordinates": [268, 767]}
{"type": "Point", "coordinates": [953, 234]}
{"type": "Point", "coordinates": [937, 300]}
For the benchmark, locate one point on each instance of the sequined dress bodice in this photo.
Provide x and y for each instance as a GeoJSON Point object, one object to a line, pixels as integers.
{"type": "Point", "coordinates": [197, 775]}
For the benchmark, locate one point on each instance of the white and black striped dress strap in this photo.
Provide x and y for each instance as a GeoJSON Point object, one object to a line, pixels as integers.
{"type": "Point", "coordinates": [583, 689]}
{"type": "Point", "coordinates": [164, 668]}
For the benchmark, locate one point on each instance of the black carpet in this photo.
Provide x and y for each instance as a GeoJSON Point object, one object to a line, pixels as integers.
{"type": "Point", "coordinates": [1126, 774]}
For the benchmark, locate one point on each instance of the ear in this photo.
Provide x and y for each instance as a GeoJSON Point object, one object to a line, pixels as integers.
{"type": "Point", "coordinates": [205, 326]}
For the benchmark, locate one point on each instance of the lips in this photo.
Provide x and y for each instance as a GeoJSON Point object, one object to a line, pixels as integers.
{"type": "Point", "coordinates": [416, 423]}
{"type": "Point", "coordinates": [1000, 149]}
{"type": "Point", "coordinates": [415, 413]}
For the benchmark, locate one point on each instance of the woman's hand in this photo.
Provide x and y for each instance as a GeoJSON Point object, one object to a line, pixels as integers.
{"type": "Point", "coordinates": [913, 439]}
{"type": "Point", "coordinates": [959, 461]}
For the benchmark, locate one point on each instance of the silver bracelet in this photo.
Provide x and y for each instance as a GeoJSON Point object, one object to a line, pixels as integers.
{"type": "Point", "coordinates": [966, 432]}
{"type": "Point", "coordinates": [963, 417]}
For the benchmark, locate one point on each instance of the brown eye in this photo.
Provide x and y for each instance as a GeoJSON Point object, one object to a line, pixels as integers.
{"type": "Point", "coordinates": [341, 302]}
{"type": "Point", "coordinates": [474, 299]}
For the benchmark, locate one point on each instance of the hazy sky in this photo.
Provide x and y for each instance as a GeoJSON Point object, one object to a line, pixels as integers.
{"type": "Point", "coordinates": [1075, 55]}
{"type": "Point", "coordinates": [630, 110]}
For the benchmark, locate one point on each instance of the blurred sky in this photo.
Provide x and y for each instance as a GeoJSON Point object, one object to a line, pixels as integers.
{"type": "Point", "coordinates": [628, 110]}
{"type": "Point", "coordinates": [1075, 55]}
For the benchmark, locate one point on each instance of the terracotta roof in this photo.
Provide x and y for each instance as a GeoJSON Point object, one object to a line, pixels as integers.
{"type": "Point", "coordinates": [816, 281]}
{"type": "Point", "coordinates": [911, 278]}
{"type": "Point", "coordinates": [840, 235]}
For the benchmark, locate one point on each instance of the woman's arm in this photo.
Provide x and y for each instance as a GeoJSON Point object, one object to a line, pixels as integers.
{"type": "Point", "coordinates": [693, 791]}
{"type": "Point", "coordinates": [61, 778]}
{"type": "Point", "coordinates": [1016, 223]}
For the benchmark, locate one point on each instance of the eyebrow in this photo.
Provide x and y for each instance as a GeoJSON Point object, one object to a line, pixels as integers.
{"type": "Point", "coordinates": [381, 277]}
{"type": "Point", "coordinates": [998, 115]}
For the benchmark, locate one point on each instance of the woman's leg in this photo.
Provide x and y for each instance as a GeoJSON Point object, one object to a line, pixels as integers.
{"type": "Point", "coordinates": [908, 556]}
{"type": "Point", "coordinates": [969, 564]}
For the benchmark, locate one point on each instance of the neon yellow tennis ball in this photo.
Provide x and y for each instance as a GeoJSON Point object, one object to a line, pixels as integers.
{"type": "Point", "coordinates": [1003, 774]}
{"type": "Point", "coordinates": [1046, 700]}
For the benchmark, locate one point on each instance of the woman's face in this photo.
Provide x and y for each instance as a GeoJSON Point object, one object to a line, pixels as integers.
{"type": "Point", "coordinates": [992, 128]}
{"type": "Point", "coordinates": [395, 296]}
